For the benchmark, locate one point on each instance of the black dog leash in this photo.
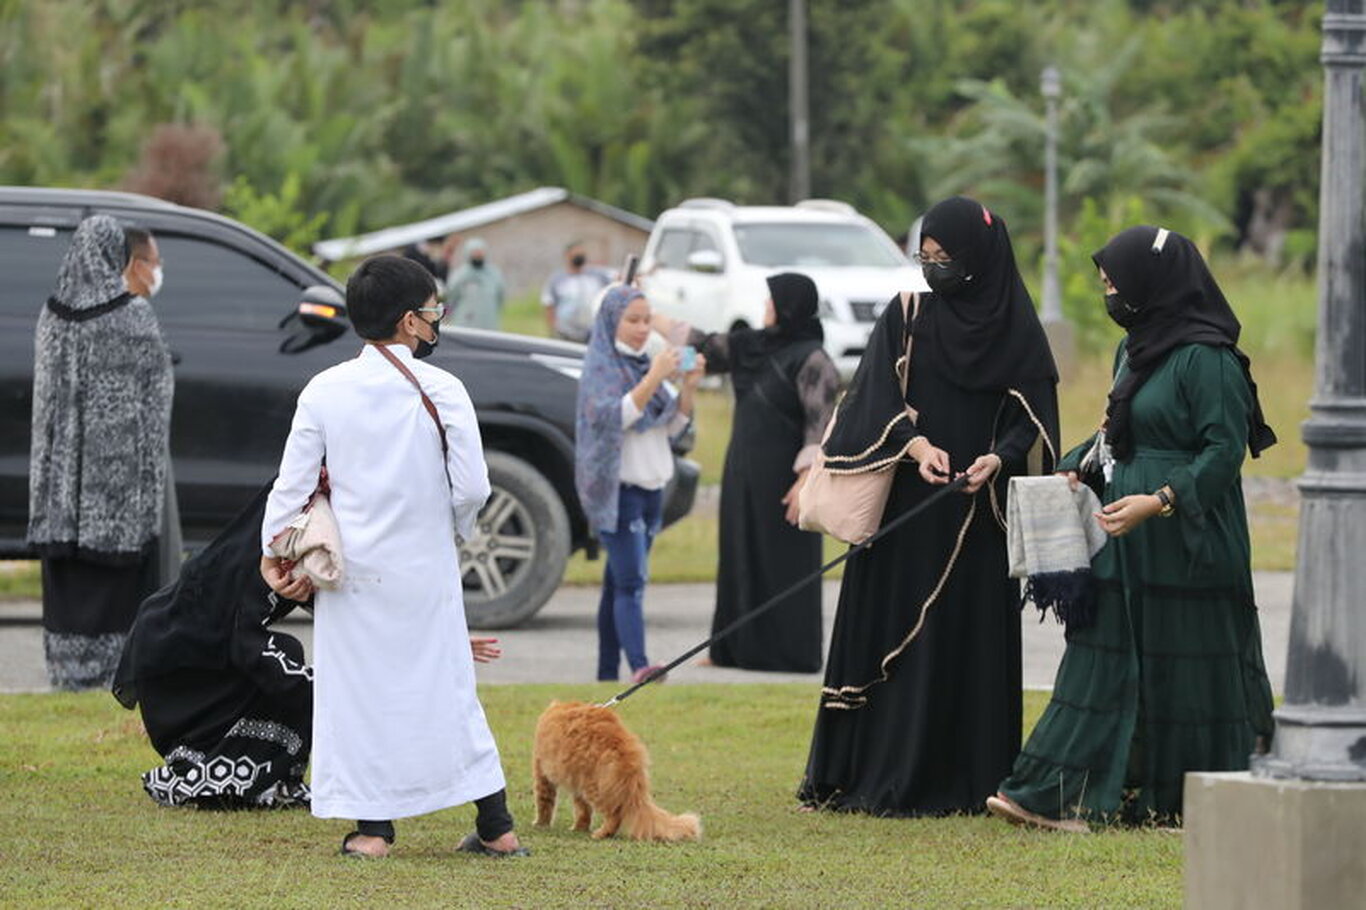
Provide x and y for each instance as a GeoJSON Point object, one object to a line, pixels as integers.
{"type": "Point", "coordinates": [797, 586]}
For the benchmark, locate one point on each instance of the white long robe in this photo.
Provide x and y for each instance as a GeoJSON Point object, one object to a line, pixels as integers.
{"type": "Point", "coordinates": [397, 727]}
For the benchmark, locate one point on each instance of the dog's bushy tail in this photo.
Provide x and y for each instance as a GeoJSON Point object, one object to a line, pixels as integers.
{"type": "Point", "coordinates": [643, 820]}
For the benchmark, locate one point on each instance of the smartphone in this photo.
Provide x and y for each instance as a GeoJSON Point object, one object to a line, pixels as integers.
{"type": "Point", "coordinates": [687, 358]}
{"type": "Point", "coordinates": [628, 272]}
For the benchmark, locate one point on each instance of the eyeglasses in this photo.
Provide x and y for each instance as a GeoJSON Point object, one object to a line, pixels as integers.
{"type": "Point", "coordinates": [922, 259]}
{"type": "Point", "coordinates": [439, 310]}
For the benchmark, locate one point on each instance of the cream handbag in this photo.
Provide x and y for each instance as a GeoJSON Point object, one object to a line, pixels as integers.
{"type": "Point", "coordinates": [312, 542]}
{"type": "Point", "coordinates": [846, 504]}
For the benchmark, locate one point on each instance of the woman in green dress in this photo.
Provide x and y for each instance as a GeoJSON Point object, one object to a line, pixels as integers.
{"type": "Point", "coordinates": [1169, 678]}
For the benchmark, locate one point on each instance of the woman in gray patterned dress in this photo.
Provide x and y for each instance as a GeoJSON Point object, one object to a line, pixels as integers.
{"type": "Point", "coordinates": [102, 388]}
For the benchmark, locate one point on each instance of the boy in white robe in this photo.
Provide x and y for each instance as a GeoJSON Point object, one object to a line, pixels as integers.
{"type": "Point", "coordinates": [397, 727]}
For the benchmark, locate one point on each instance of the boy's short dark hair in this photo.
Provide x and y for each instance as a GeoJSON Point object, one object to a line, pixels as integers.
{"type": "Point", "coordinates": [381, 290]}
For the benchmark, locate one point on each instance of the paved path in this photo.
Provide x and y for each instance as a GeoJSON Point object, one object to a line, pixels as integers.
{"type": "Point", "coordinates": [560, 644]}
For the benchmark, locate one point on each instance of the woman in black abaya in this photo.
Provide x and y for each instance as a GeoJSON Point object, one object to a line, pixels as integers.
{"type": "Point", "coordinates": [785, 387]}
{"type": "Point", "coordinates": [226, 700]}
{"type": "Point", "coordinates": [921, 709]}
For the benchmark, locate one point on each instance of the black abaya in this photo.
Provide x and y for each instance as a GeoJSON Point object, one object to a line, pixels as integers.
{"type": "Point", "coordinates": [776, 409]}
{"type": "Point", "coordinates": [226, 700]}
{"type": "Point", "coordinates": [936, 736]}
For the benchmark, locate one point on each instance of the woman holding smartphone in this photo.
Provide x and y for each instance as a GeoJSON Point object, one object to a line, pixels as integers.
{"type": "Point", "coordinates": [785, 385]}
{"type": "Point", "coordinates": [627, 414]}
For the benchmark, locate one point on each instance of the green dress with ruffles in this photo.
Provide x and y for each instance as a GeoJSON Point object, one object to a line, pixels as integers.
{"type": "Point", "coordinates": [1170, 678]}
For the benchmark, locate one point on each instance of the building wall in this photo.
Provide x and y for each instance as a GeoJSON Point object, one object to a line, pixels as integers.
{"type": "Point", "coordinates": [528, 247]}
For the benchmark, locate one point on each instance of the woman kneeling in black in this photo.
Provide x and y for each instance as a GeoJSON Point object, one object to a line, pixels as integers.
{"type": "Point", "coordinates": [227, 701]}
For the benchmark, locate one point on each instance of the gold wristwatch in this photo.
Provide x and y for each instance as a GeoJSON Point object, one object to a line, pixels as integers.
{"type": "Point", "coordinates": [1168, 509]}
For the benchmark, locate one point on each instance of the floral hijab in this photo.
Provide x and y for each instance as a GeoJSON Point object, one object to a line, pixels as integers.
{"type": "Point", "coordinates": [608, 374]}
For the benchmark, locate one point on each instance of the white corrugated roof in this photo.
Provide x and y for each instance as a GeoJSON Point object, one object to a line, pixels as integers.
{"type": "Point", "coordinates": [467, 219]}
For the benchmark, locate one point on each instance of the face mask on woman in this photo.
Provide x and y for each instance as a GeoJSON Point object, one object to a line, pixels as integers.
{"type": "Point", "coordinates": [1123, 314]}
{"type": "Point", "coordinates": [946, 278]}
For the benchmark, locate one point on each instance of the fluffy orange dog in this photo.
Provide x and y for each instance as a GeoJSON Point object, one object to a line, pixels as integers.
{"type": "Point", "coordinates": [588, 751]}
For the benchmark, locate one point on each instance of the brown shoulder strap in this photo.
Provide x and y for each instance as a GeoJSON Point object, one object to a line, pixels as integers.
{"type": "Point", "coordinates": [426, 402]}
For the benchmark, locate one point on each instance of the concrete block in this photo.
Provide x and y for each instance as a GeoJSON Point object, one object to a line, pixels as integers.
{"type": "Point", "coordinates": [1254, 842]}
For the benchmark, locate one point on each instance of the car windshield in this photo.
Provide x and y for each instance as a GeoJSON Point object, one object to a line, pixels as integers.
{"type": "Point", "coordinates": [827, 244]}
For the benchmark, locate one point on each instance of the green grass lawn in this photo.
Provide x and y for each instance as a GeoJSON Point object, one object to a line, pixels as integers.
{"type": "Point", "coordinates": [81, 833]}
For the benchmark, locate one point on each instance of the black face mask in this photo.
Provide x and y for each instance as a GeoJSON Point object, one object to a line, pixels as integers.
{"type": "Point", "coordinates": [424, 348]}
{"type": "Point", "coordinates": [577, 260]}
{"type": "Point", "coordinates": [1123, 314]}
{"type": "Point", "coordinates": [946, 279]}
{"type": "Point", "coordinates": [477, 263]}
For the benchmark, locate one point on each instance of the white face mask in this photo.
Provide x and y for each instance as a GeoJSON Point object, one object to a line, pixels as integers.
{"type": "Point", "coordinates": [157, 277]}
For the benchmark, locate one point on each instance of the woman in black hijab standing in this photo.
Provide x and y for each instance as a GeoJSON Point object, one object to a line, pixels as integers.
{"type": "Point", "coordinates": [1170, 678]}
{"type": "Point", "coordinates": [921, 711]}
{"type": "Point", "coordinates": [785, 385]}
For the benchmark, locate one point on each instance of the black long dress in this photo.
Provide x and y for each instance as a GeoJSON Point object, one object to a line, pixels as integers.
{"type": "Point", "coordinates": [938, 734]}
{"type": "Point", "coordinates": [226, 700]}
{"type": "Point", "coordinates": [782, 404]}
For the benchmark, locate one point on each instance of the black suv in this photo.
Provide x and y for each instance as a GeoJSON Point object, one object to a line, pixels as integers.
{"type": "Point", "coordinates": [244, 347]}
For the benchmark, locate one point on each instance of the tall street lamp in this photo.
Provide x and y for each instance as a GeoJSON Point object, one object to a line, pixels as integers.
{"type": "Point", "coordinates": [1292, 833]}
{"type": "Point", "coordinates": [1321, 727]}
{"type": "Point", "coordinates": [1059, 332]}
{"type": "Point", "coordinates": [799, 181]}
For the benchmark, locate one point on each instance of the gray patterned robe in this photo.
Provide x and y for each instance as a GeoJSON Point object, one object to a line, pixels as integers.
{"type": "Point", "coordinates": [102, 389]}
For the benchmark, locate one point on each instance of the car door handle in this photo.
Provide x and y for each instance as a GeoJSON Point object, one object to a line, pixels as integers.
{"type": "Point", "coordinates": [682, 293]}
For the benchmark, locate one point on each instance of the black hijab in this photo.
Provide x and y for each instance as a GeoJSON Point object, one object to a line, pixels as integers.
{"type": "Point", "coordinates": [989, 336]}
{"type": "Point", "coordinates": [196, 622]}
{"type": "Point", "coordinates": [796, 304]}
{"type": "Point", "coordinates": [1163, 276]}
{"type": "Point", "coordinates": [988, 333]}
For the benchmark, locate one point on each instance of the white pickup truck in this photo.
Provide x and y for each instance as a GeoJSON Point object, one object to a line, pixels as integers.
{"type": "Point", "coordinates": [706, 261]}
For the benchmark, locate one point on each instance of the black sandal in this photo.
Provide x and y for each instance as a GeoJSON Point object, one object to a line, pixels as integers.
{"type": "Point", "coordinates": [472, 844]}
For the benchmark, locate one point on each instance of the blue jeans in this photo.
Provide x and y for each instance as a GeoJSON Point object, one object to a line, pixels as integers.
{"type": "Point", "coordinates": [621, 613]}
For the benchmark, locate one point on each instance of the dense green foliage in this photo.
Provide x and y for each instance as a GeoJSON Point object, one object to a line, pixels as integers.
{"type": "Point", "coordinates": [338, 115]}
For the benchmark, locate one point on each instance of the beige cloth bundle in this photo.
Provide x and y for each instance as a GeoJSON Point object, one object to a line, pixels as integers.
{"type": "Point", "coordinates": [313, 543]}
{"type": "Point", "coordinates": [1051, 536]}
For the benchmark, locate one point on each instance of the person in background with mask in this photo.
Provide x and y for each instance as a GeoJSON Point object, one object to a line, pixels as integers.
{"type": "Point", "coordinates": [102, 390]}
{"type": "Point", "coordinates": [1170, 677]}
{"type": "Point", "coordinates": [627, 414]}
{"type": "Point", "coordinates": [569, 293]}
{"type": "Point", "coordinates": [474, 294]}
{"type": "Point", "coordinates": [398, 729]}
{"type": "Point", "coordinates": [920, 712]}
{"type": "Point", "coordinates": [144, 276]}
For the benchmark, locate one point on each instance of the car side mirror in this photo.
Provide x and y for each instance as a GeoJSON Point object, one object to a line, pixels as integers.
{"type": "Point", "coordinates": [709, 262]}
{"type": "Point", "coordinates": [321, 314]}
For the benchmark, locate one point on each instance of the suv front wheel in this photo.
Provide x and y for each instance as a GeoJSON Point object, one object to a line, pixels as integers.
{"type": "Point", "coordinates": [516, 559]}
